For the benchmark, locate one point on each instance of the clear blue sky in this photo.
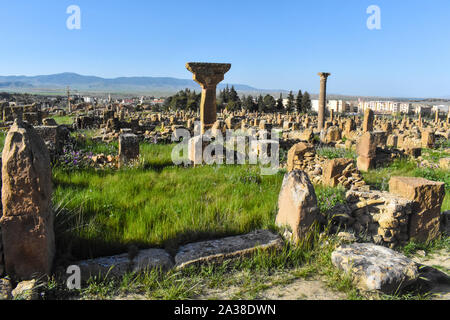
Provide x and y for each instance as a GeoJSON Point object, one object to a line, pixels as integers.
{"type": "Point", "coordinates": [271, 44]}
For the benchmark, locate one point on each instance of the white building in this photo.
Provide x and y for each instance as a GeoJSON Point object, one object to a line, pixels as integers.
{"type": "Point", "coordinates": [384, 106]}
{"type": "Point", "coordinates": [335, 105]}
{"type": "Point", "coordinates": [442, 108]}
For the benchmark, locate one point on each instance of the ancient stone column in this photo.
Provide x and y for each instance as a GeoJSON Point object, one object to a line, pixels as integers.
{"type": "Point", "coordinates": [27, 221]}
{"type": "Point", "coordinates": [208, 75]}
{"type": "Point", "coordinates": [322, 98]}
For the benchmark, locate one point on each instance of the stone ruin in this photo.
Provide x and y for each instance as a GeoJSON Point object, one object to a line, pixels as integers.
{"type": "Point", "coordinates": [410, 211]}
{"type": "Point", "coordinates": [27, 220]}
{"type": "Point", "coordinates": [329, 172]}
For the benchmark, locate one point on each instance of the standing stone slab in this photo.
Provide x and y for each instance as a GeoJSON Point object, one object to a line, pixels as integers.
{"type": "Point", "coordinates": [128, 148]}
{"type": "Point", "coordinates": [297, 205]}
{"type": "Point", "coordinates": [368, 120]}
{"type": "Point", "coordinates": [27, 222]}
{"type": "Point", "coordinates": [214, 251]}
{"type": "Point", "coordinates": [375, 267]}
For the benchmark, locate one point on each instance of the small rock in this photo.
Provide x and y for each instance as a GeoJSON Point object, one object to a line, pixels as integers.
{"type": "Point", "coordinates": [26, 290]}
{"type": "Point", "coordinates": [5, 289]}
{"type": "Point", "coordinates": [346, 237]}
{"type": "Point", "coordinates": [421, 253]}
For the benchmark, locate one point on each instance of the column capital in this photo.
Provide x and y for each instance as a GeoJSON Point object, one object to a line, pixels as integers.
{"type": "Point", "coordinates": [208, 74]}
{"type": "Point", "coordinates": [324, 75]}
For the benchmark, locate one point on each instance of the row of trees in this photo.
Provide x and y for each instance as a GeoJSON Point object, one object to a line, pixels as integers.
{"type": "Point", "coordinates": [183, 100]}
{"type": "Point", "coordinates": [229, 99]}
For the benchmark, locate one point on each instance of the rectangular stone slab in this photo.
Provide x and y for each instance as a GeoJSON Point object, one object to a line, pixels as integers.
{"type": "Point", "coordinates": [226, 248]}
{"type": "Point", "coordinates": [119, 265]}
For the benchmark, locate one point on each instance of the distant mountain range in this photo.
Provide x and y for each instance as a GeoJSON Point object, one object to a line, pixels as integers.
{"type": "Point", "coordinates": [97, 84]}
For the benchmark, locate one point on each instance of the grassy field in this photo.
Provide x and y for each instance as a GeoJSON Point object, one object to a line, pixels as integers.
{"type": "Point", "coordinates": [158, 204]}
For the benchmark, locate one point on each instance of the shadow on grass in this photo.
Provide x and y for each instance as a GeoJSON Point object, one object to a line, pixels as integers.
{"type": "Point", "coordinates": [158, 167]}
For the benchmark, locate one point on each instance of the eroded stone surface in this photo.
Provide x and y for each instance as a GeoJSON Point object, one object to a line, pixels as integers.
{"type": "Point", "coordinates": [375, 267]}
{"type": "Point", "coordinates": [227, 248]}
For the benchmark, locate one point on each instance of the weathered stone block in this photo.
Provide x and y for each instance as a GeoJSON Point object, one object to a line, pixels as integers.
{"type": "Point", "coordinates": [128, 148]}
{"type": "Point", "coordinates": [427, 196]}
{"type": "Point", "coordinates": [333, 170]}
{"type": "Point", "coordinates": [297, 205]}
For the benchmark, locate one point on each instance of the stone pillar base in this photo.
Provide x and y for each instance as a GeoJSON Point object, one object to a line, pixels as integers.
{"type": "Point", "coordinates": [364, 163]}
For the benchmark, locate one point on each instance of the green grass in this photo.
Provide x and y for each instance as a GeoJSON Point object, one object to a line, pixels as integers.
{"type": "Point", "coordinates": [333, 153]}
{"type": "Point", "coordinates": [2, 139]}
{"type": "Point", "coordinates": [158, 204]}
{"type": "Point", "coordinates": [67, 120]}
{"type": "Point", "coordinates": [442, 242]}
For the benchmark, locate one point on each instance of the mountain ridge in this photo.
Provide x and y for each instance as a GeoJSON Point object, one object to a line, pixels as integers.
{"type": "Point", "coordinates": [95, 83]}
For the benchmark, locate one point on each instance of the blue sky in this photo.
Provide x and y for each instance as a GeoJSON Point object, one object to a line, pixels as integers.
{"type": "Point", "coordinates": [271, 44]}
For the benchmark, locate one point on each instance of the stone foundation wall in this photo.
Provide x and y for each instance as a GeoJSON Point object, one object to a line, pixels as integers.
{"type": "Point", "coordinates": [376, 216]}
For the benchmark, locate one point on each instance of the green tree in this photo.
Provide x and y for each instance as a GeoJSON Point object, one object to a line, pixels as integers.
{"type": "Point", "coordinates": [269, 103]}
{"type": "Point", "coordinates": [248, 104]}
{"type": "Point", "coordinates": [306, 102]}
{"type": "Point", "coordinates": [260, 104]}
{"type": "Point", "coordinates": [290, 103]}
{"type": "Point", "coordinates": [298, 102]}
{"type": "Point", "coordinates": [280, 106]}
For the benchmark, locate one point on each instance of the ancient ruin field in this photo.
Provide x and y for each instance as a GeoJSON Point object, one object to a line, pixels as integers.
{"type": "Point", "coordinates": [156, 204]}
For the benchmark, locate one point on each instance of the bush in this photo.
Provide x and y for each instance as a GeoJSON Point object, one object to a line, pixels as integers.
{"type": "Point", "coordinates": [328, 197]}
{"type": "Point", "coordinates": [334, 153]}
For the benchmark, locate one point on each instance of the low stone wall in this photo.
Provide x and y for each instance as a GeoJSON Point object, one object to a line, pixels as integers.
{"type": "Point", "coordinates": [376, 216]}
